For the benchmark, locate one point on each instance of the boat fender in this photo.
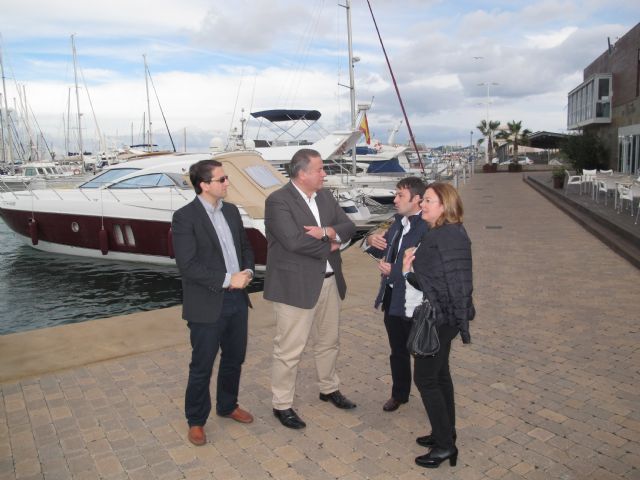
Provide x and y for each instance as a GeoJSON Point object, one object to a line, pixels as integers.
{"type": "Point", "coordinates": [170, 243]}
{"type": "Point", "coordinates": [103, 240]}
{"type": "Point", "coordinates": [33, 231]}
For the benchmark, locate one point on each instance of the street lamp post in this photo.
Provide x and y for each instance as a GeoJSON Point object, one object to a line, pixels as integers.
{"type": "Point", "coordinates": [486, 150]}
{"type": "Point", "coordinates": [471, 162]}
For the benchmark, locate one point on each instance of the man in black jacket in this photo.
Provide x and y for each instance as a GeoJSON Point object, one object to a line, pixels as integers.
{"type": "Point", "coordinates": [406, 231]}
{"type": "Point", "coordinates": [216, 262]}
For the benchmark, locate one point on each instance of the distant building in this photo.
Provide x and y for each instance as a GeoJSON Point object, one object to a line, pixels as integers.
{"type": "Point", "coordinates": [607, 102]}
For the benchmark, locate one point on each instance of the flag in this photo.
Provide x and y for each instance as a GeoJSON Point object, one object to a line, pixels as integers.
{"type": "Point", "coordinates": [364, 128]}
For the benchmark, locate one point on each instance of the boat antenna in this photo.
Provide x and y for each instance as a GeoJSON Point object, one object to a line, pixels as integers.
{"type": "Point", "coordinates": [164, 119]}
{"type": "Point", "coordinates": [395, 84]}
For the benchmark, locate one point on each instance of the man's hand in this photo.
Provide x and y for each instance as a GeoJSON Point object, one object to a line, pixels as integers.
{"type": "Point", "coordinates": [384, 267]}
{"type": "Point", "coordinates": [240, 280]}
{"type": "Point", "coordinates": [377, 240]}
{"type": "Point", "coordinates": [334, 246]}
{"type": "Point", "coordinates": [315, 232]}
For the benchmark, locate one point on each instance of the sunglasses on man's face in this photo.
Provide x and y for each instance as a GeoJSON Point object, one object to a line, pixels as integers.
{"type": "Point", "coordinates": [222, 179]}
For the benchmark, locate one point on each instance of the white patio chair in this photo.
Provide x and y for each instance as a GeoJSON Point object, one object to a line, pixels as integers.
{"type": "Point", "coordinates": [606, 172]}
{"type": "Point", "coordinates": [625, 193]}
{"type": "Point", "coordinates": [589, 178]}
{"type": "Point", "coordinates": [601, 187]}
{"type": "Point", "coordinates": [573, 180]}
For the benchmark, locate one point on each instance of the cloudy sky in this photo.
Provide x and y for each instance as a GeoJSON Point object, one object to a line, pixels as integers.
{"type": "Point", "coordinates": [209, 59]}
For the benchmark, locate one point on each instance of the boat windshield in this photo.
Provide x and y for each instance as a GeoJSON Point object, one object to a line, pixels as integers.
{"type": "Point", "coordinates": [152, 180]}
{"type": "Point", "coordinates": [108, 177]}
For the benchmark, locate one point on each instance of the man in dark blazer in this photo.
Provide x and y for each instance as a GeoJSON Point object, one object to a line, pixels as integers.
{"type": "Point", "coordinates": [305, 227]}
{"type": "Point", "coordinates": [406, 231]}
{"type": "Point", "coordinates": [216, 264]}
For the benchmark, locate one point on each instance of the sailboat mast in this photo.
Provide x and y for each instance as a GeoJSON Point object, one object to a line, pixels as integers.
{"type": "Point", "coordinates": [7, 154]}
{"type": "Point", "coordinates": [67, 124]}
{"type": "Point", "coordinates": [352, 88]}
{"type": "Point", "coordinates": [75, 75]}
{"type": "Point", "coordinates": [146, 82]}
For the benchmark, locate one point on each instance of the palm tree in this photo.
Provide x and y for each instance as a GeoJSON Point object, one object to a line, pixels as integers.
{"type": "Point", "coordinates": [515, 135]}
{"type": "Point", "coordinates": [489, 132]}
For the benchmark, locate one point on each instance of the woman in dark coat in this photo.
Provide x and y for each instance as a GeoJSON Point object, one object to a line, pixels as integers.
{"type": "Point", "coordinates": [441, 268]}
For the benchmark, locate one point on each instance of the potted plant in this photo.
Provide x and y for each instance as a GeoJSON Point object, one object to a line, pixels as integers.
{"type": "Point", "coordinates": [558, 174]}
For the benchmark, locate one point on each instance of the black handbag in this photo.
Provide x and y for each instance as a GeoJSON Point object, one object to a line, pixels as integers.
{"type": "Point", "coordinates": [423, 338]}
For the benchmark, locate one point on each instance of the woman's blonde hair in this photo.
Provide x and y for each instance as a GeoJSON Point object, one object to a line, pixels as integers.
{"type": "Point", "coordinates": [451, 203]}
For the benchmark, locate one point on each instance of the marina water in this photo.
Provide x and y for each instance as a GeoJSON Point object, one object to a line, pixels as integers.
{"type": "Point", "coordinates": [39, 289]}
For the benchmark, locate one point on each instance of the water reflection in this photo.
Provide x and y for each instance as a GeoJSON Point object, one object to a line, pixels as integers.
{"type": "Point", "coordinates": [38, 289]}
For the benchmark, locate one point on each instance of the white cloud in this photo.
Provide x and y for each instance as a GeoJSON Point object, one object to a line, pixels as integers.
{"type": "Point", "coordinates": [285, 53]}
{"type": "Point", "coordinates": [551, 39]}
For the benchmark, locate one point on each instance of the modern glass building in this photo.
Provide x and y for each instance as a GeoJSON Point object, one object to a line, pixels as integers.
{"type": "Point", "coordinates": [607, 102]}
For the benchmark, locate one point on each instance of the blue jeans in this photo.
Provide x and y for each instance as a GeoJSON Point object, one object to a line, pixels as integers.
{"type": "Point", "coordinates": [229, 334]}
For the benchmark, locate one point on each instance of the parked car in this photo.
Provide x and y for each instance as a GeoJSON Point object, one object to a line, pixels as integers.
{"type": "Point", "coordinates": [522, 160]}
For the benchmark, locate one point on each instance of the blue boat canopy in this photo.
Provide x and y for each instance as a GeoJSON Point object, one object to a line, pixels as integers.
{"type": "Point", "coordinates": [388, 166]}
{"type": "Point", "coordinates": [283, 115]}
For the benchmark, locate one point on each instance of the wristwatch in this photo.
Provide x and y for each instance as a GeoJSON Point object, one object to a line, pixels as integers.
{"type": "Point", "coordinates": [325, 237]}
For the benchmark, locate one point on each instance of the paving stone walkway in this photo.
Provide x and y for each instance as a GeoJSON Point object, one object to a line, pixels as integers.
{"type": "Point", "coordinates": [549, 389]}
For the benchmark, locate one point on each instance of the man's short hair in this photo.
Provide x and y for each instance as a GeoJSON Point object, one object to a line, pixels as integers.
{"type": "Point", "coordinates": [414, 184]}
{"type": "Point", "coordinates": [300, 161]}
{"type": "Point", "coordinates": [201, 172]}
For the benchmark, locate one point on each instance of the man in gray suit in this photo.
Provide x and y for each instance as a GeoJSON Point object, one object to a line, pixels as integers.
{"type": "Point", "coordinates": [216, 264]}
{"type": "Point", "coordinates": [305, 227]}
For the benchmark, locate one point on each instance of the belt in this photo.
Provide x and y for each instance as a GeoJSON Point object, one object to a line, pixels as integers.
{"type": "Point", "coordinates": [328, 274]}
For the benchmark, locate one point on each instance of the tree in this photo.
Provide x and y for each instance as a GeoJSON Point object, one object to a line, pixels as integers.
{"type": "Point", "coordinates": [514, 135]}
{"type": "Point", "coordinates": [489, 132]}
{"type": "Point", "coordinates": [585, 151]}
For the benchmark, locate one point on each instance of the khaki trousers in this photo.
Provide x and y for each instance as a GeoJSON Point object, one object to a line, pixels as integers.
{"type": "Point", "coordinates": [294, 328]}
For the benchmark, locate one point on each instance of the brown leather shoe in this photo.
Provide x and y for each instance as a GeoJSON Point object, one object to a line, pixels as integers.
{"type": "Point", "coordinates": [240, 415]}
{"type": "Point", "coordinates": [197, 436]}
{"type": "Point", "coordinates": [392, 404]}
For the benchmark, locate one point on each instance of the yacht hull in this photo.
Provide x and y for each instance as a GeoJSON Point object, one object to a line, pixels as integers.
{"type": "Point", "coordinates": [127, 239]}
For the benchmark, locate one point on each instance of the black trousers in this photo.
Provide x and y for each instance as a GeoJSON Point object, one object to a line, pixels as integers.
{"type": "Point", "coordinates": [229, 334]}
{"type": "Point", "coordinates": [398, 329]}
{"type": "Point", "coordinates": [433, 379]}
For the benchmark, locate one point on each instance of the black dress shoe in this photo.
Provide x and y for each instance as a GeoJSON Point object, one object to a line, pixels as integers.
{"type": "Point", "coordinates": [429, 442]}
{"type": "Point", "coordinates": [392, 405]}
{"type": "Point", "coordinates": [289, 418]}
{"type": "Point", "coordinates": [338, 399]}
{"type": "Point", "coordinates": [436, 456]}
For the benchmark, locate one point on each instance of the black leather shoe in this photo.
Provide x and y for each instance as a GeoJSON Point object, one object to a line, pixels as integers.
{"type": "Point", "coordinates": [392, 405]}
{"type": "Point", "coordinates": [338, 399]}
{"type": "Point", "coordinates": [289, 418]}
{"type": "Point", "coordinates": [436, 456]}
{"type": "Point", "coordinates": [429, 442]}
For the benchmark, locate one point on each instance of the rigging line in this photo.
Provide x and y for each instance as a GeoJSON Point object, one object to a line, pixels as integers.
{"type": "Point", "coordinates": [301, 52]}
{"type": "Point", "coordinates": [93, 113]}
{"type": "Point", "coordinates": [161, 110]}
{"type": "Point", "coordinates": [395, 84]}
{"type": "Point", "coordinates": [305, 58]}
{"type": "Point", "coordinates": [51, 154]}
{"type": "Point", "coordinates": [253, 94]}
{"type": "Point", "coordinates": [235, 107]}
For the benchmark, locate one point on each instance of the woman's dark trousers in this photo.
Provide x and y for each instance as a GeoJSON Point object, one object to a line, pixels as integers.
{"type": "Point", "coordinates": [433, 379]}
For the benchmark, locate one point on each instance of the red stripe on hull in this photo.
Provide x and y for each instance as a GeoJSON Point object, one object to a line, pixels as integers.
{"type": "Point", "coordinates": [150, 237]}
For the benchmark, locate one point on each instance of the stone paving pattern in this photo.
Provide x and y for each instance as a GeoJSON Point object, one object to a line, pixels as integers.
{"type": "Point", "coordinates": [549, 389]}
